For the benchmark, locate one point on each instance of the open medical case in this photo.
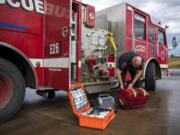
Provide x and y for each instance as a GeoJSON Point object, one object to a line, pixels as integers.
{"type": "Point", "coordinates": [88, 117]}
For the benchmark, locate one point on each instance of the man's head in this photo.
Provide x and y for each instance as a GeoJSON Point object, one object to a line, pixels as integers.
{"type": "Point", "coordinates": [137, 61]}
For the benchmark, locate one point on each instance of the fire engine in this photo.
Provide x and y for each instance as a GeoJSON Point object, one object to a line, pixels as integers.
{"type": "Point", "coordinates": [50, 45]}
{"type": "Point", "coordinates": [137, 31]}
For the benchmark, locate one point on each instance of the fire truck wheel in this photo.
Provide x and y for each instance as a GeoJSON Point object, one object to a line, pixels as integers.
{"type": "Point", "coordinates": [150, 78]}
{"type": "Point", "coordinates": [12, 89]}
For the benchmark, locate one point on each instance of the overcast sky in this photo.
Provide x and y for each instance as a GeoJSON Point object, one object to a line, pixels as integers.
{"type": "Point", "coordinates": [168, 11]}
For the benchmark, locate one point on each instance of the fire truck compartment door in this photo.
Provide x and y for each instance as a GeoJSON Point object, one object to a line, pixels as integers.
{"type": "Point", "coordinates": [57, 44]}
{"type": "Point", "coordinates": [162, 47]}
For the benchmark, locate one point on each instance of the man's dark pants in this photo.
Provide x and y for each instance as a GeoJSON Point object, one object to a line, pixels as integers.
{"type": "Point", "coordinates": [133, 73]}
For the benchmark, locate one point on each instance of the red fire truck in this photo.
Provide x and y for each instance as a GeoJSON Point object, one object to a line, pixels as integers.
{"type": "Point", "coordinates": [137, 31]}
{"type": "Point", "coordinates": [49, 45]}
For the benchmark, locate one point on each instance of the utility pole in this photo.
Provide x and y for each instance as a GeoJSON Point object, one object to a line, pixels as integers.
{"type": "Point", "coordinates": [174, 44]}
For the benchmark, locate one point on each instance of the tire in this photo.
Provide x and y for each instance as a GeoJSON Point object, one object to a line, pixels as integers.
{"type": "Point", "coordinates": [12, 90]}
{"type": "Point", "coordinates": [150, 77]}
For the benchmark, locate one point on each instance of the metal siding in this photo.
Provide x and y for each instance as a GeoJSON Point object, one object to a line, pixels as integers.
{"type": "Point", "coordinates": [116, 15]}
{"type": "Point", "coordinates": [102, 21]}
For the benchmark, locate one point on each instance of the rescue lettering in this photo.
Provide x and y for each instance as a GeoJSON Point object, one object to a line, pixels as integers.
{"type": "Point", "coordinates": [28, 5]}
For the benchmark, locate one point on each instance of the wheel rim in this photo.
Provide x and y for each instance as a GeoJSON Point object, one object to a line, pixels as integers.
{"type": "Point", "coordinates": [5, 90]}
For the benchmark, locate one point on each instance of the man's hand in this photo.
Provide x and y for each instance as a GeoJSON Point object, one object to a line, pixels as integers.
{"type": "Point", "coordinates": [130, 86]}
{"type": "Point", "coordinates": [122, 86]}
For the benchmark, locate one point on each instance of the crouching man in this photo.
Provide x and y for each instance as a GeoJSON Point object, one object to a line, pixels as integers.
{"type": "Point", "coordinates": [133, 63]}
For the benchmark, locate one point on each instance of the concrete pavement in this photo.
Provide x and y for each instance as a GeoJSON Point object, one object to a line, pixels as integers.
{"type": "Point", "coordinates": [161, 116]}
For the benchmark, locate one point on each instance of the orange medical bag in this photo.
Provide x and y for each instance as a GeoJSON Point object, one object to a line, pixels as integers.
{"type": "Point", "coordinates": [82, 109]}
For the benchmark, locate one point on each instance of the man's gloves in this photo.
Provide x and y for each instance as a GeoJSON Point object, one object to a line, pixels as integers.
{"type": "Point", "coordinates": [130, 85]}
{"type": "Point", "coordinates": [117, 86]}
{"type": "Point", "coordinates": [122, 86]}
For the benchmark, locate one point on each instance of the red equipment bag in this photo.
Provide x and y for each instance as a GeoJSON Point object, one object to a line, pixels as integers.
{"type": "Point", "coordinates": [133, 98]}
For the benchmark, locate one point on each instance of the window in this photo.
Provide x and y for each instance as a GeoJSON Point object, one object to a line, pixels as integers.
{"type": "Point", "coordinates": [140, 27]}
{"type": "Point", "coordinates": [151, 34]}
{"type": "Point", "coordinates": [161, 38]}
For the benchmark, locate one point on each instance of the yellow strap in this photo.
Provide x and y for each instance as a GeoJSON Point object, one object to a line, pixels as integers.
{"type": "Point", "coordinates": [145, 92]}
{"type": "Point", "coordinates": [122, 103]}
{"type": "Point", "coordinates": [135, 94]}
